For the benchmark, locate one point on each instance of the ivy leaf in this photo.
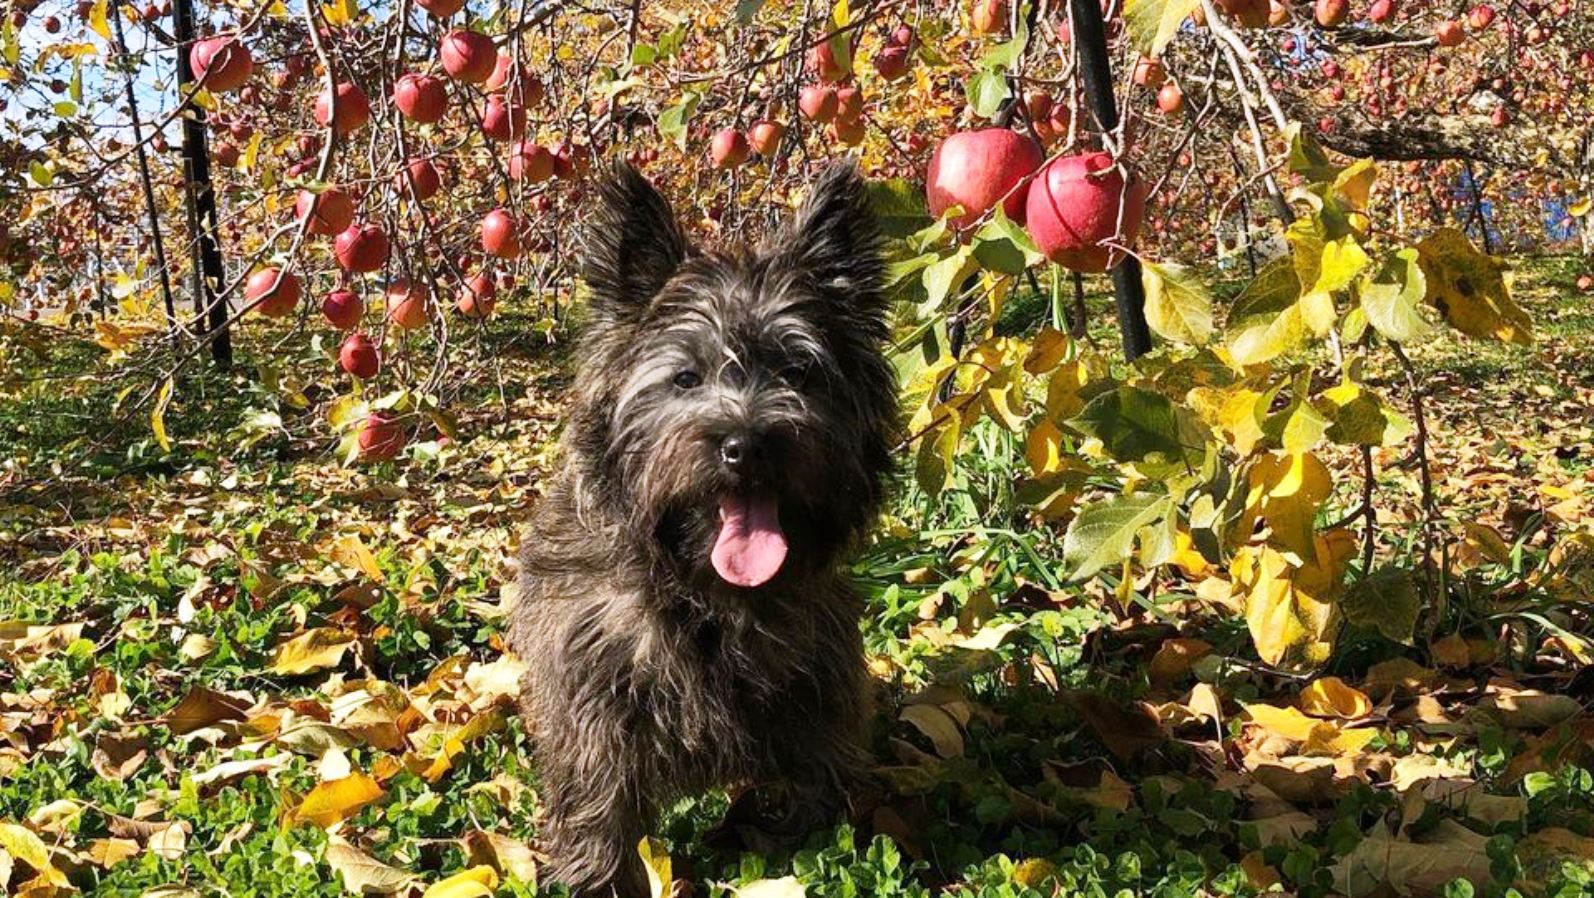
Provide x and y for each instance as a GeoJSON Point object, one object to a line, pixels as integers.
{"type": "Point", "coordinates": [1102, 534]}
{"type": "Point", "coordinates": [1470, 289]}
{"type": "Point", "coordinates": [1178, 306]}
{"type": "Point", "coordinates": [1152, 23]}
{"type": "Point", "coordinates": [1392, 297]}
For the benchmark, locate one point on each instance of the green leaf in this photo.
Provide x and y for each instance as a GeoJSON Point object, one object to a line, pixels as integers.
{"type": "Point", "coordinates": [41, 174]}
{"type": "Point", "coordinates": [64, 108]}
{"type": "Point", "coordinates": [898, 206]}
{"type": "Point", "coordinates": [1152, 23]}
{"type": "Point", "coordinates": [1391, 299]}
{"type": "Point", "coordinates": [1178, 306]}
{"type": "Point", "coordinates": [1385, 601]}
{"type": "Point", "coordinates": [643, 55]}
{"type": "Point", "coordinates": [1102, 534]}
{"type": "Point", "coordinates": [1306, 157]}
{"type": "Point", "coordinates": [1000, 245]}
{"type": "Point", "coordinates": [671, 42]}
{"type": "Point", "coordinates": [1003, 55]}
{"type": "Point", "coordinates": [933, 468]}
{"type": "Point", "coordinates": [672, 121]}
{"type": "Point", "coordinates": [1266, 320]}
{"type": "Point", "coordinates": [945, 278]}
{"type": "Point", "coordinates": [986, 91]}
{"type": "Point", "coordinates": [1145, 428]}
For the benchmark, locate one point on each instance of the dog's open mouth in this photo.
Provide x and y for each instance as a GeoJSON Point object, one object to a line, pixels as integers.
{"type": "Point", "coordinates": [750, 547]}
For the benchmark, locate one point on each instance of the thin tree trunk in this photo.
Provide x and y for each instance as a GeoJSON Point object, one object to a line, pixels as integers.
{"type": "Point", "coordinates": [145, 183]}
{"type": "Point", "coordinates": [200, 199]}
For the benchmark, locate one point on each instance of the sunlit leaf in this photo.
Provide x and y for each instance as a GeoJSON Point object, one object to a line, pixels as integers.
{"type": "Point", "coordinates": [1471, 290]}
{"type": "Point", "coordinates": [1103, 533]}
{"type": "Point", "coordinates": [1178, 306]}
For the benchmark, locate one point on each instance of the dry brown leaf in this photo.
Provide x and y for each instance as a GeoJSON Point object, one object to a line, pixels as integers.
{"type": "Point", "coordinates": [937, 726]}
{"type": "Point", "coordinates": [363, 874]}
{"type": "Point", "coordinates": [203, 707]}
{"type": "Point", "coordinates": [1449, 851]}
{"type": "Point", "coordinates": [510, 857]}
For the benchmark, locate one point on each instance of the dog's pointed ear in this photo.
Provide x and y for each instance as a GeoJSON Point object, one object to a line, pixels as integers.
{"type": "Point", "coordinates": [835, 240]}
{"type": "Point", "coordinates": [633, 245]}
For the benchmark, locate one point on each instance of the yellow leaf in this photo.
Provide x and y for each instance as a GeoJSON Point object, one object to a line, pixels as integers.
{"type": "Point", "coordinates": [1285, 492]}
{"type": "Point", "coordinates": [1286, 619]}
{"type": "Point", "coordinates": [1287, 722]}
{"type": "Point", "coordinates": [656, 860]}
{"type": "Point", "coordinates": [350, 552]}
{"type": "Point", "coordinates": [1051, 346]}
{"type": "Point", "coordinates": [455, 744]}
{"type": "Point", "coordinates": [1331, 697]}
{"type": "Point", "coordinates": [336, 800]}
{"type": "Point", "coordinates": [98, 21]}
{"type": "Point", "coordinates": [1471, 290]}
{"type": "Point", "coordinates": [340, 12]}
{"type": "Point", "coordinates": [785, 887]}
{"type": "Point", "coordinates": [1063, 400]}
{"type": "Point", "coordinates": [157, 416]}
{"type": "Point", "coordinates": [473, 883]}
{"type": "Point", "coordinates": [938, 726]}
{"type": "Point", "coordinates": [22, 844]}
{"type": "Point", "coordinates": [315, 649]}
{"type": "Point", "coordinates": [1043, 448]}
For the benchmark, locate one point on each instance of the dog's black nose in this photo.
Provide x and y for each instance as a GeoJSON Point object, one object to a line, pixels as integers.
{"type": "Point", "coordinates": [737, 450]}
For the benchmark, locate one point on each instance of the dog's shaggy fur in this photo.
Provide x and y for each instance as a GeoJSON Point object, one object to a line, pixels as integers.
{"type": "Point", "coordinates": [650, 675]}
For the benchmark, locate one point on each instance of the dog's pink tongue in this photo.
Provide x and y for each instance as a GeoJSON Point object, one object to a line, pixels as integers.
{"type": "Point", "coordinates": [751, 547]}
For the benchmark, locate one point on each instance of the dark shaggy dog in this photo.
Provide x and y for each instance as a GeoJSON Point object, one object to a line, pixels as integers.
{"type": "Point", "coordinates": [681, 613]}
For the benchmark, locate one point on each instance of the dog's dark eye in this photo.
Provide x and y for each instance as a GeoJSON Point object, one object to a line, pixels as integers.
{"type": "Point", "coordinates": [793, 375]}
{"type": "Point", "coordinates": [686, 380]}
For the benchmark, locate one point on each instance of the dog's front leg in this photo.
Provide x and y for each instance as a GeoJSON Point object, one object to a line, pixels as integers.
{"type": "Point", "coordinates": [593, 822]}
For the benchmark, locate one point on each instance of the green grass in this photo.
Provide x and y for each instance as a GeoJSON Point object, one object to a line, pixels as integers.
{"type": "Point", "coordinates": [227, 537]}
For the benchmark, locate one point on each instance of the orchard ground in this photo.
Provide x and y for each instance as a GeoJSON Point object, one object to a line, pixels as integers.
{"type": "Point", "coordinates": [214, 655]}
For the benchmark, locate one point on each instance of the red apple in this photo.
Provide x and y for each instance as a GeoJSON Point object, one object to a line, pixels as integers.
{"type": "Point", "coordinates": [817, 102]}
{"type": "Point", "coordinates": [226, 154]}
{"type": "Point", "coordinates": [361, 247]}
{"type": "Point", "coordinates": [989, 16]}
{"type": "Point", "coordinates": [976, 169]}
{"type": "Point", "coordinates": [354, 109]}
{"type": "Point", "coordinates": [421, 98]}
{"type": "Point", "coordinates": [1170, 99]}
{"type": "Point", "coordinates": [1331, 13]}
{"type": "Point", "coordinates": [358, 356]}
{"type": "Point", "coordinates": [728, 149]}
{"type": "Point", "coordinates": [499, 234]}
{"type": "Point", "coordinates": [822, 62]}
{"type": "Point", "coordinates": [343, 309]}
{"type": "Point", "coordinates": [1381, 11]}
{"type": "Point", "coordinates": [272, 292]}
{"type": "Point", "coordinates": [849, 104]}
{"type": "Point", "coordinates": [764, 137]}
{"type": "Point", "coordinates": [503, 120]}
{"type": "Point", "coordinates": [1149, 72]}
{"type": "Point", "coordinates": [220, 64]}
{"type": "Point", "coordinates": [442, 9]}
{"type": "Point", "coordinates": [1449, 34]}
{"type": "Point", "coordinates": [530, 162]}
{"type": "Point", "coordinates": [570, 159]}
{"type": "Point", "coordinates": [1481, 17]}
{"type": "Point", "coordinates": [468, 55]}
{"type": "Point", "coordinates": [891, 63]}
{"type": "Point", "coordinates": [1586, 283]}
{"type": "Point", "coordinates": [422, 174]}
{"type": "Point", "coordinates": [334, 211]}
{"type": "Point", "coordinates": [528, 89]}
{"type": "Point", "coordinates": [380, 437]}
{"type": "Point", "coordinates": [406, 306]}
{"type": "Point", "coordinates": [1073, 206]}
{"type": "Point", "coordinates": [477, 298]}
